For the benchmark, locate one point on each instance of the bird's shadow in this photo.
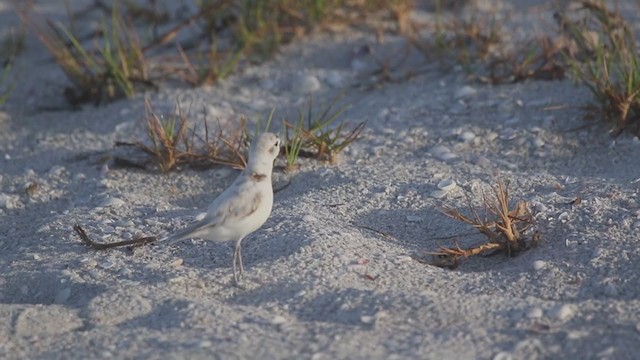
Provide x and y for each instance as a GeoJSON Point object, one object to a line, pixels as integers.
{"type": "Point", "coordinates": [341, 307]}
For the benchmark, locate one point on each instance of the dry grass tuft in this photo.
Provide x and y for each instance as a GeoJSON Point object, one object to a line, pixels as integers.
{"type": "Point", "coordinates": [114, 65]}
{"type": "Point", "coordinates": [173, 142]}
{"type": "Point", "coordinates": [324, 138]}
{"type": "Point", "coordinates": [170, 142]}
{"type": "Point", "coordinates": [503, 223]}
{"type": "Point", "coordinates": [604, 57]}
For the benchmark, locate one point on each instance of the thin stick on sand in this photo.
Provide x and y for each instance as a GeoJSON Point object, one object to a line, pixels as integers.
{"type": "Point", "coordinates": [103, 246]}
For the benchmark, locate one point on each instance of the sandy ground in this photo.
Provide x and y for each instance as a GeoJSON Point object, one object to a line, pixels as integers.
{"type": "Point", "coordinates": [317, 285]}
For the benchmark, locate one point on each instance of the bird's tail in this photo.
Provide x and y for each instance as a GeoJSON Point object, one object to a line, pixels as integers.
{"type": "Point", "coordinates": [181, 235]}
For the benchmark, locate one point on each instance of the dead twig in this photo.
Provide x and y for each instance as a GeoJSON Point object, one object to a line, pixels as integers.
{"type": "Point", "coordinates": [103, 246]}
{"type": "Point", "coordinates": [503, 224]}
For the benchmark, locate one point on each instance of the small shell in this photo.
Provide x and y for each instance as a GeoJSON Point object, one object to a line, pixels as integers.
{"type": "Point", "coordinates": [467, 136]}
{"type": "Point", "coordinates": [448, 156]}
{"type": "Point", "coordinates": [447, 185]}
{"type": "Point", "coordinates": [176, 263]}
{"type": "Point", "coordinates": [112, 201]}
{"type": "Point", "coordinates": [539, 265]}
{"type": "Point", "coordinates": [438, 150]}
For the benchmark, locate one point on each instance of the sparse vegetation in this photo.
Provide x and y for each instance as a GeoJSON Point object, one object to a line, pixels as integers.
{"type": "Point", "coordinates": [479, 46]}
{"type": "Point", "coordinates": [603, 56]}
{"type": "Point", "coordinates": [293, 140]}
{"type": "Point", "coordinates": [10, 47]}
{"type": "Point", "coordinates": [326, 139]}
{"type": "Point", "coordinates": [112, 67]}
{"type": "Point", "coordinates": [503, 223]}
{"type": "Point", "coordinates": [172, 141]}
{"type": "Point", "coordinates": [124, 55]}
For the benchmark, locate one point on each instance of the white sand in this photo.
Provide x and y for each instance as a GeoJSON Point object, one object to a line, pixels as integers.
{"type": "Point", "coordinates": [308, 293]}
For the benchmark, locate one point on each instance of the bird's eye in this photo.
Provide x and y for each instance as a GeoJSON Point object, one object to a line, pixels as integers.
{"type": "Point", "coordinates": [277, 143]}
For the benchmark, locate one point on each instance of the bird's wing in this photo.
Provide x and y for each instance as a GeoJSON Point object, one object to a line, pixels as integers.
{"type": "Point", "coordinates": [240, 200]}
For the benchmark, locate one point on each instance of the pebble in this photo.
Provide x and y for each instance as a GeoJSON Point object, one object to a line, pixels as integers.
{"type": "Point", "coordinates": [480, 160]}
{"type": "Point", "coordinates": [106, 264]}
{"type": "Point", "coordinates": [539, 265]}
{"type": "Point", "coordinates": [320, 356]}
{"type": "Point", "coordinates": [152, 222]}
{"type": "Point", "coordinates": [200, 216]}
{"type": "Point", "coordinates": [534, 313]}
{"type": "Point", "coordinates": [537, 142]}
{"type": "Point", "coordinates": [306, 84]}
{"type": "Point", "coordinates": [503, 355]}
{"type": "Point", "coordinates": [367, 319]}
{"type": "Point", "coordinates": [93, 273]}
{"type": "Point", "coordinates": [491, 135]}
{"type": "Point", "coordinates": [443, 153]}
{"type": "Point", "coordinates": [56, 171]}
{"type": "Point", "coordinates": [413, 218]}
{"type": "Point", "coordinates": [177, 262]}
{"type": "Point", "coordinates": [467, 136]}
{"type": "Point", "coordinates": [205, 344]}
{"type": "Point", "coordinates": [8, 201]}
{"type": "Point", "coordinates": [448, 156]}
{"type": "Point", "coordinates": [112, 202]}
{"type": "Point", "coordinates": [177, 280]}
{"type": "Point", "coordinates": [465, 91]}
{"type": "Point", "coordinates": [508, 134]}
{"type": "Point", "coordinates": [438, 150]}
{"type": "Point", "coordinates": [90, 263]}
{"type": "Point", "coordinates": [563, 312]}
{"type": "Point", "coordinates": [278, 320]}
{"type": "Point", "coordinates": [127, 223]}
{"type": "Point", "coordinates": [200, 284]}
{"type": "Point", "coordinates": [62, 296]}
{"type": "Point", "coordinates": [309, 219]}
{"type": "Point", "coordinates": [539, 207]}
{"type": "Point", "coordinates": [564, 217]}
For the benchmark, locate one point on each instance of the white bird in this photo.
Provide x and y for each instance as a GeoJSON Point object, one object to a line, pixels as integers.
{"type": "Point", "coordinates": [243, 207]}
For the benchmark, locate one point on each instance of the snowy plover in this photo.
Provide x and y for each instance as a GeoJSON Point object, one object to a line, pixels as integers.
{"type": "Point", "coordinates": [243, 207]}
